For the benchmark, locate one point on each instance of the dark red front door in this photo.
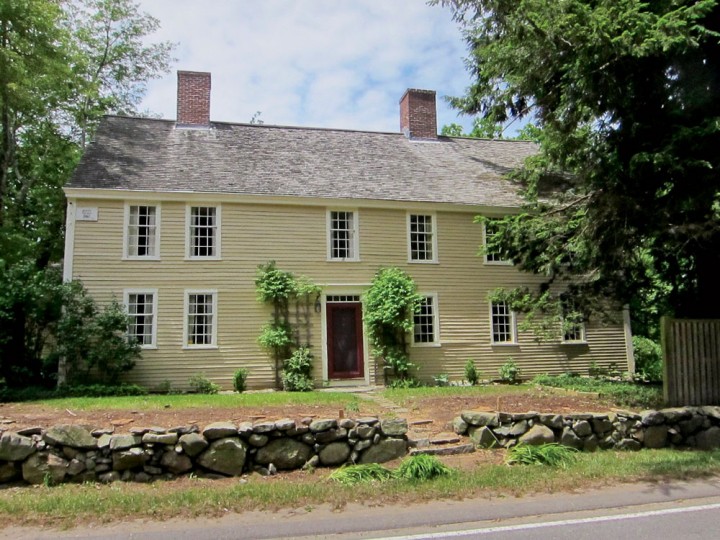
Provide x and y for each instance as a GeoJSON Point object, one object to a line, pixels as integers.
{"type": "Point", "coordinates": [345, 342]}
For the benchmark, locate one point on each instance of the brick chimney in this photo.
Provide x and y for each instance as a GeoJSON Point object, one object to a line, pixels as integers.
{"type": "Point", "coordinates": [193, 99]}
{"type": "Point", "coordinates": [418, 115]}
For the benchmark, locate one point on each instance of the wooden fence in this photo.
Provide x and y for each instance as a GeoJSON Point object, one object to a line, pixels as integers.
{"type": "Point", "coordinates": [691, 361]}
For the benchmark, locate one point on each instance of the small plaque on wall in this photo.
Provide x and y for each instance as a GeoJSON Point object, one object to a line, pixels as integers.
{"type": "Point", "coordinates": [86, 213]}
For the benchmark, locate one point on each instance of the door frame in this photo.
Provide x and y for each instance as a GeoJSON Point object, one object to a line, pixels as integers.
{"type": "Point", "coordinates": [340, 290]}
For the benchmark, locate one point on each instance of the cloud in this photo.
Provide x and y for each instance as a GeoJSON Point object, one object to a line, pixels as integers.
{"type": "Point", "coordinates": [342, 64]}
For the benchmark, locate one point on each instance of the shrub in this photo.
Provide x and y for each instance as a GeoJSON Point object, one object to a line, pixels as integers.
{"type": "Point", "coordinates": [200, 384]}
{"type": "Point", "coordinates": [240, 380]}
{"type": "Point", "coordinates": [297, 371]}
{"type": "Point", "coordinates": [648, 358]}
{"type": "Point", "coordinates": [553, 455]}
{"type": "Point", "coordinates": [622, 393]}
{"type": "Point", "coordinates": [35, 393]}
{"type": "Point", "coordinates": [442, 380]}
{"type": "Point", "coordinates": [351, 475]}
{"type": "Point", "coordinates": [164, 387]}
{"type": "Point", "coordinates": [422, 467]}
{"type": "Point", "coordinates": [471, 373]}
{"type": "Point", "coordinates": [407, 382]}
{"type": "Point", "coordinates": [275, 336]}
{"type": "Point", "coordinates": [509, 372]}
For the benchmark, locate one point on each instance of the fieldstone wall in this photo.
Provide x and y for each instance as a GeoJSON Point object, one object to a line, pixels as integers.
{"type": "Point", "coordinates": [697, 427]}
{"type": "Point", "coordinates": [73, 453]}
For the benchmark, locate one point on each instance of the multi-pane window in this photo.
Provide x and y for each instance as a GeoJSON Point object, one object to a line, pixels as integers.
{"type": "Point", "coordinates": [422, 237]}
{"type": "Point", "coordinates": [204, 231]}
{"type": "Point", "coordinates": [493, 255]}
{"type": "Point", "coordinates": [342, 235]}
{"type": "Point", "coordinates": [502, 323]}
{"type": "Point", "coordinates": [142, 231]}
{"type": "Point", "coordinates": [425, 319]}
{"type": "Point", "coordinates": [200, 321]}
{"type": "Point", "coordinates": [573, 325]}
{"type": "Point", "coordinates": [141, 307]}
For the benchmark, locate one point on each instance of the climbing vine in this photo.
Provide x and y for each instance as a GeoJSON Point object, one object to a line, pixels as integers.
{"type": "Point", "coordinates": [390, 304]}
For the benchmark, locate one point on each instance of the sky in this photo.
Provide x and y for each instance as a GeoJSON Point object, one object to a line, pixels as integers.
{"type": "Point", "coordinates": [312, 63]}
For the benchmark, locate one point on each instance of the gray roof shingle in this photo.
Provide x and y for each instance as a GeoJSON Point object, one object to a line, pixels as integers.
{"type": "Point", "coordinates": [152, 155]}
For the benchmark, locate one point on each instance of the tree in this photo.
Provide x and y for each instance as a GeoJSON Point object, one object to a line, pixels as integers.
{"type": "Point", "coordinates": [626, 96]}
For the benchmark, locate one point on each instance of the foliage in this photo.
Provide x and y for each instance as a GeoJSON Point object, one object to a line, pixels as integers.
{"type": "Point", "coordinates": [274, 285]}
{"type": "Point", "coordinates": [351, 475]}
{"type": "Point", "coordinates": [509, 372]}
{"type": "Point", "coordinates": [648, 358]}
{"type": "Point", "coordinates": [297, 371]}
{"type": "Point", "coordinates": [552, 454]}
{"type": "Point", "coordinates": [407, 382]}
{"type": "Point", "coordinates": [390, 303]}
{"type": "Point", "coordinates": [442, 380]}
{"type": "Point", "coordinates": [200, 384]}
{"type": "Point", "coordinates": [35, 393]}
{"type": "Point", "coordinates": [625, 94]}
{"type": "Point", "coordinates": [622, 394]}
{"type": "Point", "coordinates": [487, 128]}
{"type": "Point", "coordinates": [471, 373]}
{"type": "Point", "coordinates": [422, 467]}
{"type": "Point", "coordinates": [240, 380]}
{"type": "Point", "coordinates": [274, 336]}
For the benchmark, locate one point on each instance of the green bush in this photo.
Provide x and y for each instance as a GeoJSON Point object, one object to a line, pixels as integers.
{"type": "Point", "coordinates": [297, 371]}
{"type": "Point", "coordinates": [442, 380]}
{"type": "Point", "coordinates": [407, 382]}
{"type": "Point", "coordinates": [621, 393]}
{"type": "Point", "coordinates": [240, 380]}
{"type": "Point", "coordinates": [351, 475]}
{"type": "Point", "coordinates": [422, 467]}
{"type": "Point", "coordinates": [553, 455]}
{"type": "Point", "coordinates": [471, 373]}
{"type": "Point", "coordinates": [275, 336]}
{"type": "Point", "coordinates": [200, 384]}
{"type": "Point", "coordinates": [509, 372]}
{"type": "Point", "coordinates": [35, 393]}
{"type": "Point", "coordinates": [648, 358]}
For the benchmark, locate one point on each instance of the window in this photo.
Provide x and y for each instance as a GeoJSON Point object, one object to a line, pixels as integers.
{"type": "Point", "coordinates": [492, 257]}
{"type": "Point", "coordinates": [425, 331]}
{"type": "Point", "coordinates": [342, 236]}
{"type": "Point", "coordinates": [422, 240]}
{"type": "Point", "coordinates": [573, 325]}
{"type": "Point", "coordinates": [142, 231]}
{"type": "Point", "coordinates": [200, 326]}
{"type": "Point", "coordinates": [502, 323]}
{"type": "Point", "coordinates": [204, 232]}
{"type": "Point", "coordinates": [142, 308]}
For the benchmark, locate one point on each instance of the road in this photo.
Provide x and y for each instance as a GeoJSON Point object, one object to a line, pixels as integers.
{"type": "Point", "coordinates": [678, 510]}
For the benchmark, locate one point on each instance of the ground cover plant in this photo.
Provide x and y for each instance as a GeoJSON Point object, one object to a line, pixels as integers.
{"type": "Point", "coordinates": [553, 455]}
{"type": "Point", "coordinates": [364, 472]}
{"type": "Point", "coordinates": [621, 393]}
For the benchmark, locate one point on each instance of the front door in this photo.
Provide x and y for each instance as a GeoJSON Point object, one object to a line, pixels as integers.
{"type": "Point", "coordinates": [345, 340]}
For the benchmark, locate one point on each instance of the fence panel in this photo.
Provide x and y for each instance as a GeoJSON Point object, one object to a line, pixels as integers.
{"type": "Point", "coordinates": [691, 361]}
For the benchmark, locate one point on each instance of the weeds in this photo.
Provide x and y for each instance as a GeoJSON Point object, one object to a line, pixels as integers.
{"type": "Point", "coordinates": [553, 455]}
{"type": "Point", "coordinates": [356, 474]}
{"type": "Point", "coordinates": [422, 467]}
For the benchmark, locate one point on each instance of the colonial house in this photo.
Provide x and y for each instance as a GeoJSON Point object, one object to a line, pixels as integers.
{"type": "Point", "coordinates": [173, 218]}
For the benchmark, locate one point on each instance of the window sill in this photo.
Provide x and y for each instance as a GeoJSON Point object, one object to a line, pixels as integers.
{"type": "Point", "coordinates": [425, 345]}
{"type": "Point", "coordinates": [574, 343]}
{"type": "Point", "coordinates": [411, 261]}
{"type": "Point", "coordinates": [199, 347]}
{"type": "Point", "coordinates": [148, 347]}
{"type": "Point", "coordinates": [505, 344]}
{"type": "Point", "coordinates": [194, 259]}
{"type": "Point", "coordinates": [499, 263]}
{"type": "Point", "coordinates": [343, 260]}
{"type": "Point", "coordinates": [153, 258]}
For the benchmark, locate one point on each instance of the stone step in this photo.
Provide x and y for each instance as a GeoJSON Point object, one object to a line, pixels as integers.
{"type": "Point", "coordinates": [445, 450]}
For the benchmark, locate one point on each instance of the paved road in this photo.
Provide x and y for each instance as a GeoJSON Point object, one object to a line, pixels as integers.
{"type": "Point", "coordinates": [678, 510]}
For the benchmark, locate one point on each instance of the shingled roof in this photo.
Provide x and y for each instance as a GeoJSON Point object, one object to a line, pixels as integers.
{"type": "Point", "coordinates": [155, 155]}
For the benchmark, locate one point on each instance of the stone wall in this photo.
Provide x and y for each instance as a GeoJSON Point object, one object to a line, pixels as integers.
{"type": "Point", "coordinates": [73, 453]}
{"type": "Point", "coordinates": [697, 427]}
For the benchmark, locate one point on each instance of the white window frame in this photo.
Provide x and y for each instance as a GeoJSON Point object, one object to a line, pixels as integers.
{"type": "Point", "coordinates": [126, 301]}
{"type": "Point", "coordinates": [433, 297]}
{"type": "Point", "coordinates": [433, 243]}
{"type": "Point", "coordinates": [126, 232]}
{"type": "Point", "coordinates": [513, 326]}
{"type": "Point", "coordinates": [563, 335]}
{"type": "Point", "coordinates": [498, 262]}
{"type": "Point", "coordinates": [354, 235]}
{"type": "Point", "coordinates": [186, 320]}
{"type": "Point", "coordinates": [189, 238]}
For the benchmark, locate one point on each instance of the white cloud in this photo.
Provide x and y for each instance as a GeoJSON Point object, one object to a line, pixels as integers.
{"type": "Point", "coordinates": [324, 63]}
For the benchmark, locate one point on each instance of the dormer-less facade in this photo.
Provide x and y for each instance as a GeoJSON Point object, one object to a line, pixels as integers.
{"type": "Point", "coordinates": [173, 219]}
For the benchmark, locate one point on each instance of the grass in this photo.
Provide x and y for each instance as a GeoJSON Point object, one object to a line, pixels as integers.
{"type": "Point", "coordinates": [68, 504]}
{"type": "Point", "coordinates": [358, 474]}
{"type": "Point", "coordinates": [422, 467]}
{"type": "Point", "coordinates": [406, 396]}
{"type": "Point", "coordinates": [185, 401]}
{"type": "Point", "coordinates": [623, 394]}
{"type": "Point", "coordinates": [553, 455]}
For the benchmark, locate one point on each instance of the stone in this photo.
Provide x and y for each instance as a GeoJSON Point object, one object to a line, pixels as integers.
{"type": "Point", "coordinates": [519, 428]}
{"type": "Point", "coordinates": [445, 438]}
{"type": "Point", "coordinates": [334, 453]}
{"type": "Point", "coordinates": [652, 418]}
{"type": "Point", "coordinates": [365, 431]}
{"type": "Point", "coordinates": [570, 438]}
{"type": "Point", "coordinates": [219, 430]}
{"type": "Point", "coordinates": [446, 450]}
{"type": "Point", "coordinates": [347, 423]}
{"type": "Point", "coordinates": [675, 414]}
{"type": "Point", "coordinates": [142, 477]}
{"type": "Point", "coordinates": [690, 426]}
{"type": "Point", "coordinates": [708, 439]}
{"type": "Point", "coordinates": [362, 445]}
{"type": "Point", "coordinates": [284, 424]}
{"type": "Point", "coordinates": [226, 456]}
{"type": "Point", "coordinates": [553, 421]}
{"type": "Point", "coordinates": [264, 427]}
{"type": "Point", "coordinates": [582, 428]}
{"type": "Point", "coordinates": [109, 477]}
{"type": "Point", "coordinates": [75, 467]}
{"type": "Point", "coordinates": [591, 443]}
{"type": "Point", "coordinates": [516, 417]}
{"type": "Point", "coordinates": [150, 469]}
{"type": "Point", "coordinates": [160, 438]}
{"type": "Point", "coordinates": [628, 444]}
{"type": "Point", "coordinates": [284, 454]}
{"type": "Point", "coordinates": [394, 427]}
{"type": "Point", "coordinates": [123, 442]}
{"type": "Point", "coordinates": [322, 425]}
{"type": "Point", "coordinates": [70, 435]}
{"type": "Point", "coordinates": [9, 472]}
{"type": "Point", "coordinates": [28, 432]}
{"type": "Point", "coordinates": [330, 435]}
{"type": "Point", "coordinates": [193, 443]}
{"type": "Point", "coordinates": [601, 425]}
{"type": "Point", "coordinates": [479, 418]}
{"type": "Point", "coordinates": [483, 437]}
{"type": "Point", "coordinates": [459, 425]}
{"type": "Point", "coordinates": [711, 411]}
{"type": "Point", "coordinates": [607, 443]}
{"type": "Point", "coordinates": [656, 436]}
{"type": "Point", "coordinates": [308, 438]}
{"type": "Point", "coordinates": [367, 420]}
{"type": "Point", "coordinates": [123, 460]}
{"type": "Point", "coordinates": [14, 447]}
{"type": "Point", "coordinates": [385, 450]}
{"type": "Point", "coordinates": [245, 429]}
{"type": "Point", "coordinates": [258, 440]}
{"type": "Point", "coordinates": [537, 435]}
{"type": "Point", "coordinates": [69, 452]}
{"type": "Point", "coordinates": [104, 441]}
{"type": "Point", "coordinates": [312, 463]}
{"type": "Point", "coordinates": [176, 463]}
{"type": "Point", "coordinates": [503, 431]}
{"type": "Point", "coordinates": [43, 467]}
{"type": "Point", "coordinates": [297, 430]}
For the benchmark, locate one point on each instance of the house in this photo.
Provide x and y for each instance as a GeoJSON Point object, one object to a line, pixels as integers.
{"type": "Point", "coordinates": [174, 217]}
